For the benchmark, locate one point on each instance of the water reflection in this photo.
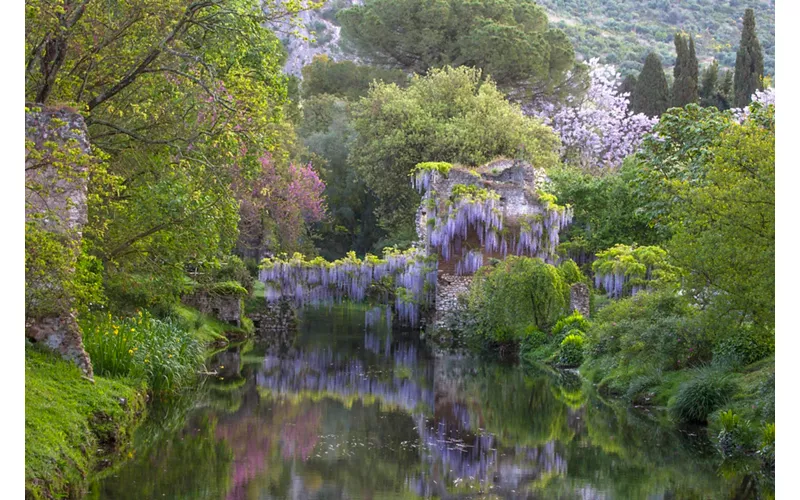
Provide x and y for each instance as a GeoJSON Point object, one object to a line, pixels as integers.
{"type": "Point", "coordinates": [364, 413]}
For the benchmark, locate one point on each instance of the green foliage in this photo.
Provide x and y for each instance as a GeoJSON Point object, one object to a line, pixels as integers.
{"type": "Point", "coordinates": [685, 86]}
{"type": "Point", "coordinates": [67, 418]}
{"type": "Point", "coordinates": [182, 101]}
{"type": "Point", "coordinates": [450, 115]}
{"type": "Point", "coordinates": [345, 79]}
{"type": "Point", "coordinates": [641, 267]}
{"type": "Point", "coordinates": [744, 346]}
{"type": "Point", "coordinates": [571, 273]}
{"type": "Point", "coordinates": [678, 150]}
{"type": "Point", "coordinates": [568, 324]}
{"type": "Point", "coordinates": [607, 210]}
{"type": "Point", "coordinates": [651, 95]}
{"type": "Point", "coordinates": [707, 391]}
{"type": "Point", "coordinates": [508, 40]}
{"type": "Point", "coordinates": [570, 352]}
{"type": "Point", "coordinates": [441, 167]}
{"type": "Point", "coordinates": [749, 75]}
{"type": "Point", "coordinates": [141, 347]}
{"type": "Point", "coordinates": [724, 229]}
{"type": "Point", "coordinates": [518, 293]}
{"type": "Point", "coordinates": [621, 31]}
{"type": "Point", "coordinates": [649, 333]}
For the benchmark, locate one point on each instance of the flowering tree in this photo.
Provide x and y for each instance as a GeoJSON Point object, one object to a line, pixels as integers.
{"type": "Point", "coordinates": [291, 196]}
{"type": "Point", "coordinates": [597, 131]}
{"type": "Point", "coordinates": [762, 97]}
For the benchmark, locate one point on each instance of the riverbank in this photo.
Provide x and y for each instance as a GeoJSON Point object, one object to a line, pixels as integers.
{"type": "Point", "coordinates": [74, 428]}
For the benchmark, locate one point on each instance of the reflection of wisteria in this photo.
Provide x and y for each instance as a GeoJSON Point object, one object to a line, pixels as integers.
{"type": "Point", "coordinates": [456, 458]}
{"type": "Point", "coordinates": [325, 372]}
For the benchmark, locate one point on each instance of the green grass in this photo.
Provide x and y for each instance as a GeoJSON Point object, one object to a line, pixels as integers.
{"type": "Point", "coordinates": [68, 419]}
{"type": "Point", "coordinates": [257, 301]}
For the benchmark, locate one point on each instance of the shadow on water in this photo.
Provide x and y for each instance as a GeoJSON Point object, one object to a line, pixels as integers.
{"type": "Point", "coordinates": [340, 410]}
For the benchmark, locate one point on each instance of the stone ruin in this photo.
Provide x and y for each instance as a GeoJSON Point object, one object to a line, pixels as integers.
{"type": "Point", "coordinates": [517, 183]}
{"type": "Point", "coordinates": [227, 308]}
{"type": "Point", "coordinates": [55, 202]}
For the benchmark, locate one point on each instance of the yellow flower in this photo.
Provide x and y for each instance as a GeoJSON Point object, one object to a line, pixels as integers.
{"type": "Point", "coordinates": [130, 351]}
{"type": "Point", "coordinates": [133, 330]}
{"type": "Point", "coordinates": [146, 360]}
{"type": "Point", "coordinates": [169, 356]}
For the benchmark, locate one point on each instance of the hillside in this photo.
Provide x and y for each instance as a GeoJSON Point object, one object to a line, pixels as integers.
{"type": "Point", "coordinates": [619, 32]}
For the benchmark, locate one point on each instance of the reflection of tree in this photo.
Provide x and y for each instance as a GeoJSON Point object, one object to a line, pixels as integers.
{"type": "Point", "coordinates": [171, 469]}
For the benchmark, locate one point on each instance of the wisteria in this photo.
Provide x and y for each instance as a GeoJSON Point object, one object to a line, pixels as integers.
{"type": "Point", "coordinates": [622, 269]}
{"type": "Point", "coordinates": [318, 282]}
{"type": "Point", "coordinates": [473, 209]}
{"type": "Point", "coordinates": [597, 131]}
{"type": "Point", "coordinates": [764, 97]}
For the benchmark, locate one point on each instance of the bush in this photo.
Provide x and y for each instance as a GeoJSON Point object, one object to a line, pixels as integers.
{"type": "Point", "coordinates": [515, 294]}
{"type": "Point", "coordinates": [564, 326]}
{"type": "Point", "coordinates": [142, 347]}
{"type": "Point", "coordinates": [744, 346]}
{"type": "Point", "coordinates": [571, 273]}
{"type": "Point", "coordinates": [570, 353]}
{"type": "Point", "coordinates": [707, 391]}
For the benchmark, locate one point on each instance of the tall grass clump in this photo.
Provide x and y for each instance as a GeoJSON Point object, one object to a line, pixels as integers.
{"type": "Point", "coordinates": [698, 397]}
{"type": "Point", "coordinates": [142, 347]}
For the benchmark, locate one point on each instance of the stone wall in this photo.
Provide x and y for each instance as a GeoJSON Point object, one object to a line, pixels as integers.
{"type": "Point", "coordinates": [57, 157]}
{"type": "Point", "coordinates": [277, 316]}
{"type": "Point", "coordinates": [448, 288]}
{"type": "Point", "coordinates": [515, 181]}
{"type": "Point", "coordinates": [227, 308]}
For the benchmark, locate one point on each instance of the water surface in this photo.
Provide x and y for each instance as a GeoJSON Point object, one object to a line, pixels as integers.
{"type": "Point", "coordinates": [345, 410]}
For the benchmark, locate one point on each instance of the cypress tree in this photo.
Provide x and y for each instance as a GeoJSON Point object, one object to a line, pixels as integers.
{"type": "Point", "coordinates": [749, 63]}
{"type": "Point", "coordinates": [725, 91]}
{"type": "Point", "coordinates": [708, 87]}
{"type": "Point", "coordinates": [684, 90]}
{"type": "Point", "coordinates": [651, 96]}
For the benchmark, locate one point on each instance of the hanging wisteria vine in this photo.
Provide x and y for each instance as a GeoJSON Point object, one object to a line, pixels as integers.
{"type": "Point", "coordinates": [626, 270]}
{"type": "Point", "coordinates": [469, 207]}
{"type": "Point", "coordinates": [409, 276]}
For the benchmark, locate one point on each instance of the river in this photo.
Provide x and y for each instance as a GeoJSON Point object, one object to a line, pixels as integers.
{"type": "Point", "coordinates": [346, 410]}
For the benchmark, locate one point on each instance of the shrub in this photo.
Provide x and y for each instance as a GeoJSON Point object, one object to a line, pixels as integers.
{"type": "Point", "coordinates": [707, 391]}
{"type": "Point", "coordinates": [571, 273]}
{"type": "Point", "coordinates": [570, 353]}
{"type": "Point", "coordinates": [142, 347]}
{"type": "Point", "coordinates": [744, 346]}
{"type": "Point", "coordinates": [574, 321]}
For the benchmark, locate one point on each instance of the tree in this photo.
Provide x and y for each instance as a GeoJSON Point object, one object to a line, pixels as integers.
{"type": "Point", "coordinates": [725, 225]}
{"type": "Point", "coordinates": [749, 74]}
{"type": "Point", "coordinates": [182, 100]}
{"type": "Point", "coordinates": [597, 132]}
{"type": "Point", "coordinates": [652, 91]}
{"type": "Point", "coordinates": [708, 85]}
{"type": "Point", "coordinates": [508, 39]}
{"type": "Point", "coordinates": [684, 90]}
{"type": "Point", "coordinates": [450, 115]}
{"type": "Point", "coordinates": [345, 79]}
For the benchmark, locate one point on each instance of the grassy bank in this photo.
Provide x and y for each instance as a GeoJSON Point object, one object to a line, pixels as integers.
{"type": "Point", "coordinates": [73, 427]}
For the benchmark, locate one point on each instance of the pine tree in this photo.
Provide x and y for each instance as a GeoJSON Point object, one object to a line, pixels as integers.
{"type": "Point", "coordinates": [749, 63]}
{"type": "Point", "coordinates": [651, 96]}
{"type": "Point", "coordinates": [684, 90]}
